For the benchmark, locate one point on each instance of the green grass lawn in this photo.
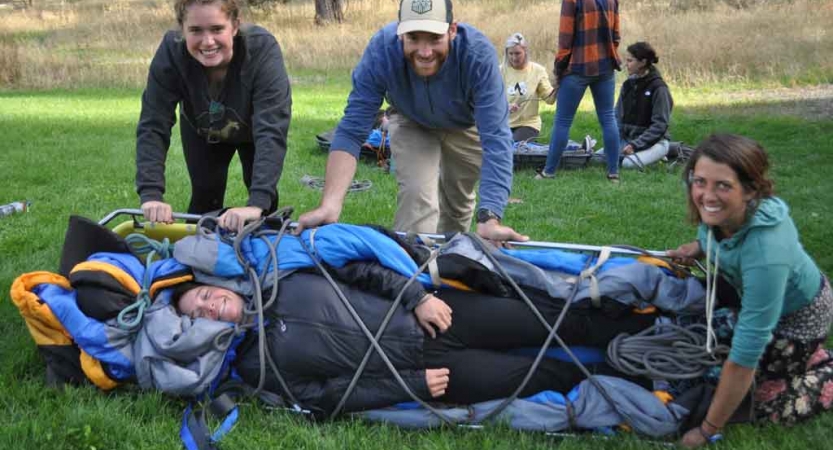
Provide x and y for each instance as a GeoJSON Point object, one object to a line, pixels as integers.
{"type": "Point", "coordinates": [73, 153]}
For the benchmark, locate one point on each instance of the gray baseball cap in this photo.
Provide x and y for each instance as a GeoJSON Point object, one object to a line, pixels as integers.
{"type": "Point", "coordinates": [433, 16]}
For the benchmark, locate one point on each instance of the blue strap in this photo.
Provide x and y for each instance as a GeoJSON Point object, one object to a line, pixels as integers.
{"type": "Point", "coordinates": [226, 426]}
{"type": "Point", "coordinates": [194, 431]}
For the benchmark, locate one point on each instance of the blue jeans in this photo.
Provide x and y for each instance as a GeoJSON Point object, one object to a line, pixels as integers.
{"type": "Point", "coordinates": [570, 93]}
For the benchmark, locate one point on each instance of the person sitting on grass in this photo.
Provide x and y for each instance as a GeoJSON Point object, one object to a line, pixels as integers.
{"type": "Point", "coordinates": [643, 110]}
{"type": "Point", "coordinates": [526, 83]}
{"type": "Point", "coordinates": [317, 345]}
{"type": "Point", "coordinates": [786, 306]}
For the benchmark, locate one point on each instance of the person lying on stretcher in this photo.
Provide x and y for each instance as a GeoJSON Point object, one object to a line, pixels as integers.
{"type": "Point", "coordinates": [455, 346]}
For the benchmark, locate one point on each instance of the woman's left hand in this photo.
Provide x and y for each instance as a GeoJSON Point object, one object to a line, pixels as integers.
{"type": "Point", "coordinates": [235, 218]}
{"type": "Point", "coordinates": [693, 438]}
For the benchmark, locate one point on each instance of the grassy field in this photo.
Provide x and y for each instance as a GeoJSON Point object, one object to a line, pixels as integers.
{"type": "Point", "coordinates": [70, 79]}
{"type": "Point", "coordinates": [95, 43]}
{"type": "Point", "coordinates": [71, 152]}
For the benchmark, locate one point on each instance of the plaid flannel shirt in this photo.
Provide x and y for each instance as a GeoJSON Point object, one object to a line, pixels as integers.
{"type": "Point", "coordinates": [588, 38]}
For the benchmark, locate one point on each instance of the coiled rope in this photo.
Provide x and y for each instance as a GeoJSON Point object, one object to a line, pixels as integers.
{"type": "Point", "coordinates": [665, 352]}
{"type": "Point", "coordinates": [132, 315]}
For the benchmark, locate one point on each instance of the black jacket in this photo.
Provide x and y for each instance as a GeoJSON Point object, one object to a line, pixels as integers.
{"type": "Point", "coordinates": [317, 345]}
{"type": "Point", "coordinates": [253, 107]}
{"type": "Point", "coordinates": [643, 111]}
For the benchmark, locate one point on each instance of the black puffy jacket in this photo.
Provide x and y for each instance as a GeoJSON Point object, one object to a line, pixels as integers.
{"type": "Point", "coordinates": [317, 345]}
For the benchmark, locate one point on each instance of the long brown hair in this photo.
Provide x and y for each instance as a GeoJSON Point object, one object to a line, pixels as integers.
{"type": "Point", "coordinates": [230, 7]}
{"type": "Point", "coordinates": [747, 158]}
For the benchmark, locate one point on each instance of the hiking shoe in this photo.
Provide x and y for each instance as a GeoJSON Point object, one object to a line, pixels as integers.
{"type": "Point", "coordinates": [588, 144]}
{"type": "Point", "coordinates": [544, 175]}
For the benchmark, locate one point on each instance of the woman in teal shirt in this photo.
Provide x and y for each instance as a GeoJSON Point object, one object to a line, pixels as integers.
{"type": "Point", "coordinates": [786, 303]}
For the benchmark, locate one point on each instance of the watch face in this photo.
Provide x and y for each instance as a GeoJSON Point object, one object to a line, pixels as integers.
{"type": "Point", "coordinates": [484, 215]}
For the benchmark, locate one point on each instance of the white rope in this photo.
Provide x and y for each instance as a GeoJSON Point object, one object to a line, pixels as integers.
{"type": "Point", "coordinates": [711, 290]}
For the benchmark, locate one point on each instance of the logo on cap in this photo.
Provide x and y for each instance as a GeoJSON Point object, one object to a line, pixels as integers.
{"type": "Point", "coordinates": [421, 6]}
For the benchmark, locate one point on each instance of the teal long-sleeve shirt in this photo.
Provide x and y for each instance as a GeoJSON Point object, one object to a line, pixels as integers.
{"type": "Point", "coordinates": [771, 271]}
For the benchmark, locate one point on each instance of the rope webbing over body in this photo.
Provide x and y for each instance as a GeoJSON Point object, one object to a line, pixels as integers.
{"type": "Point", "coordinates": [266, 359]}
{"type": "Point", "coordinates": [379, 332]}
{"type": "Point", "coordinates": [374, 339]}
{"type": "Point", "coordinates": [374, 342]}
{"type": "Point", "coordinates": [253, 229]}
{"type": "Point", "coordinates": [142, 245]}
{"type": "Point", "coordinates": [551, 329]}
{"type": "Point", "coordinates": [552, 335]}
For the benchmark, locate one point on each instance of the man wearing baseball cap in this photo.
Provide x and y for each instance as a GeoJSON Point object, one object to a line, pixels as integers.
{"type": "Point", "coordinates": [449, 130]}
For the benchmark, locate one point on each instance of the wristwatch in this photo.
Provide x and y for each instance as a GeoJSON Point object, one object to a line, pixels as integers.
{"type": "Point", "coordinates": [484, 215]}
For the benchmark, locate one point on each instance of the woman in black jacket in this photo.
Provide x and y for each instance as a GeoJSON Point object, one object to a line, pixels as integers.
{"type": "Point", "coordinates": [317, 345]}
{"type": "Point", "coordinates": [230, 85]}
{"type": "Point", "coordinates": [643, 110]}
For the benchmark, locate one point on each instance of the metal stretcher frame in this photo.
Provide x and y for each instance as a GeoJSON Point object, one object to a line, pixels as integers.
{"type": "Point", "coordinates": [177, 231]}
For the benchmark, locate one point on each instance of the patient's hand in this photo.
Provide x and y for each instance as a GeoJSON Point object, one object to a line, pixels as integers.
{"type": "Point", "coordinates": [433, 311]}
{"type": "Point", "coordinates": [437, 380]}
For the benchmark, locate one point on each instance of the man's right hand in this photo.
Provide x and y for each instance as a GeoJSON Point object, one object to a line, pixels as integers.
{"type": "Point", "coordinates": [322, 215]}
{"type": "Point", "coordinates": [156, 211]}
{"type": "Point", "coordinates": [341, 166]}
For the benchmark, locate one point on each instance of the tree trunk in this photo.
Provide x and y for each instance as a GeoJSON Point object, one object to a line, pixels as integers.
{"type": "Point", "coordinates": [329, 11]}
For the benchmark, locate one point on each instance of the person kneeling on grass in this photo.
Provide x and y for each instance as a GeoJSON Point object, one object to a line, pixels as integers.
{"type": "Point", "coordinates": [786, 306]}
{"type": "Point", "coordinates": [317, 345]}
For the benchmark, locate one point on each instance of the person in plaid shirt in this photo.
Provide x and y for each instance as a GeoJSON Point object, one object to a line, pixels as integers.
{"type": "Point", "coordinates": [588, 42]}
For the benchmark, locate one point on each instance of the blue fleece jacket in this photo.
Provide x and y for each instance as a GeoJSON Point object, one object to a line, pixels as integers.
{"type": "Point", "coordinates": [467, 91]}
{"type": "Point", "coordinates": [766, 263]}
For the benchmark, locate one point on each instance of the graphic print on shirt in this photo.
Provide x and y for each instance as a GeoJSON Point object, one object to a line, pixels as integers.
{"type": "Point", "coordinates": [219, 124]}
{"type": "Point", "coordinates": [518, 89]}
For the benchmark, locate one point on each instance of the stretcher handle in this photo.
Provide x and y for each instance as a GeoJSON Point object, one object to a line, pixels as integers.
{"type": "Point", "coordinates": [138, 213]}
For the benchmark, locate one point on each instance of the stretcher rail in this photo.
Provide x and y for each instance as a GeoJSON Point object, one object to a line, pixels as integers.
{"type": "Point", "coordinates": [618, 249]}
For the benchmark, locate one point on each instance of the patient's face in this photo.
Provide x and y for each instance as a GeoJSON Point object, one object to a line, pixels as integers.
{"type": "Point", "coordinates": [212, 302]}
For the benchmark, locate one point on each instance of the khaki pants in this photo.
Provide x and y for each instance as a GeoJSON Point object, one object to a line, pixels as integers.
{"type": "Point", "coordinates": [436, 171]}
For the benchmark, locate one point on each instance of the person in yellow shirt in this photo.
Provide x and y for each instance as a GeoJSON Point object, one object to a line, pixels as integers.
{"type": "Point", "coordinates": [527, 83]}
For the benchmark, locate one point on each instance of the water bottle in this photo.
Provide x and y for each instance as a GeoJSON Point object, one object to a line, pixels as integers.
{"type": "Point", "coordinates": [14, 207]}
